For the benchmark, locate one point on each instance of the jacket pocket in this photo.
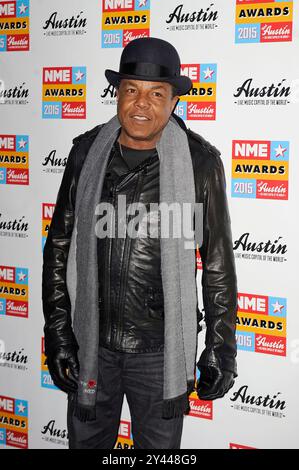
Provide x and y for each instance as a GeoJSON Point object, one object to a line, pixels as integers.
{"type": "Point", "coordinates": [154, 303]}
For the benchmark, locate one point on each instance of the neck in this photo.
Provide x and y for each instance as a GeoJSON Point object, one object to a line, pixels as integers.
{"type": "Point", "coordinates": [137, 144]}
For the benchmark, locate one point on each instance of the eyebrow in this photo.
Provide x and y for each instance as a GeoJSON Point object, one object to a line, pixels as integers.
{"type": "Point", "coordinates": [154, 87]}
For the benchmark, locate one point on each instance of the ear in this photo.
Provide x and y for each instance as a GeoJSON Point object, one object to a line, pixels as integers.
{"type": "Point", "coordinates": [176, 99]}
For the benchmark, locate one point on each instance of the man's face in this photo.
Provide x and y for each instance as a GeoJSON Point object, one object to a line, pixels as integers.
{"type": "Point", "coordinates": [143, 110]}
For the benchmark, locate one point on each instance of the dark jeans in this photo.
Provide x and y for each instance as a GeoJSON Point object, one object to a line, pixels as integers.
{"type": "Point", "coordinates": [140, 377]}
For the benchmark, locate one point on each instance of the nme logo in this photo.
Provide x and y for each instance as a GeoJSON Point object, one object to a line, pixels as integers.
{"type": "Point", "coordinates": [13, 422]}
{"type": "Point", "coordinates": [123, 21]}
{"type": "Point", "coordinates": [261, 324]}
{"type": "Point", "coordinates": [260, 21]}
{"type": "Point", "coordinates": [47, 214]}
{"type": "Point", "coordinates": [14, 159]}
{"type": "Point", "coordinates": [115, 5]}
{"type": "Point", "coordinates": [8, 9]}
{"type": "Point", "coordinates": [14, 291]}
{"type": "Point", "coordinates": [260, 169]}
{"type": "Point", "coordinates": [200, 102]}
{"type": "Point", "coordinates": [125, 429]}
{"type": "Point", "coordinates": [57, 75]}
{"type": "Point", "coordinates": [14, 26]}
{"type": "Point", "coordinates": [64, 93]}
{"type": "Point", "coordinates": [191, 71]}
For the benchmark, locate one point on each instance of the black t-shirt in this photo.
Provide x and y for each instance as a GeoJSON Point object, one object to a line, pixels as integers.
{"type": "Point", "coordinates": [134, 157]}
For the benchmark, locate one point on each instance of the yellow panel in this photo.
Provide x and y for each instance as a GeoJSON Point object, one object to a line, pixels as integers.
{"type": "Point", "coordinates": [263, 176]}
{"type": "Point", "coordinates": [265, 19]}
{"type": "Point", "coordinates": [126, 25]}
{"type": "Point", "coordinates": [63, 97]}
{"type": "Point", "coordinates": [267, 318]}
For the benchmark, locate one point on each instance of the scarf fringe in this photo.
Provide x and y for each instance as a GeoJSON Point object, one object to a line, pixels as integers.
{"type": "Point", "coordinates": [172, 408]}
{"type": "Point", "coordinates": [178, 406]}
{"type": "Point", "coordinates": [85, 414]}
{"type": "Point", "coordinates": [82, 412]}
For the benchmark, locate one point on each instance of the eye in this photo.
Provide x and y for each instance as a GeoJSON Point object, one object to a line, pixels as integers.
{"type": "Point", "coordinates": [158, 94]}
{"type": "Point", "coordinates": [131, 90]}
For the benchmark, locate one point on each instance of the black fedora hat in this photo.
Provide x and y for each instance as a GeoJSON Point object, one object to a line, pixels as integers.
{"type": "Point", "coordinates": [150, 59]}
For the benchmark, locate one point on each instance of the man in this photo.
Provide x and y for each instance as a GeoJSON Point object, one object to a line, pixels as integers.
{"type": "Point", "coordinates": [121, 314]}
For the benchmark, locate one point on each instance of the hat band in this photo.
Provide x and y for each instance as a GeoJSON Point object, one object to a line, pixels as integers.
{"type": "Point", "coordinates": [147, 69]}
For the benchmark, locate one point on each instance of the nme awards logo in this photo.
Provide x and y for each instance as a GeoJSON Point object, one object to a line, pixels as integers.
{"type": "Point", "coordinates": [260, 169]}
{"type": "Point", "coordinates": [123, 21]}
{"type": "Point", "coordinates": [64, 93]}
{"type": "Point", "coordinates": [46, 379]}
{"type": "Point", "coordinates": [14, 422]}
{"type": "Point", "coordinates": [261, 324]}
{"type": "Point", "coordinates": [47, 214]}
{"type": "Point", "coordinates": [263, 21]}
{"type": "Point", "coordinates": [200, 102]}
{"type": "Point", "coordinates": [14, 159]}
{"type": "Point", "coordinates": [14, 291]}
{"type": "Point", "coordinates": [125, 438]}
{"type": "Point", "coordinates": [14, 26]}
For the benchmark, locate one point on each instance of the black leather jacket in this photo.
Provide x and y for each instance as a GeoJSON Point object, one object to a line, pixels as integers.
{"type": "Point", "coordinates": [130, 284]}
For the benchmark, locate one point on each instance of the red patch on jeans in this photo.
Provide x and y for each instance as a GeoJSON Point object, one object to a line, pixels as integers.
{"type": "Point", "coordinates": [91, 384]}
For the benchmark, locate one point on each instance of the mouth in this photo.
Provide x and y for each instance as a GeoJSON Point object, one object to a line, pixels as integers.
{"type": "Point", "coordinates": [140, 117]}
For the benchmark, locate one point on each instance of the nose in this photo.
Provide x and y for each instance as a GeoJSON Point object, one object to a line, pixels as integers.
{"type": "Point", "coordinates": [142, 100]}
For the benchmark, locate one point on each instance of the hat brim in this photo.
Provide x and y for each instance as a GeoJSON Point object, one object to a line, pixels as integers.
{"type": "Point", "coordinates": [182, 83]}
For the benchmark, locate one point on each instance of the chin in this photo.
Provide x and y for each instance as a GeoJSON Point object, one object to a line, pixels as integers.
{"type": "Point", "coordinates": [139, 135]}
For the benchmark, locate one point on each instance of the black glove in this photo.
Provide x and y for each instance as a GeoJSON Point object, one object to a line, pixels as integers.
{"type": "Point", "coordinates": [213, 383]}
{"type": "Point", "coordinates": [60, 359]}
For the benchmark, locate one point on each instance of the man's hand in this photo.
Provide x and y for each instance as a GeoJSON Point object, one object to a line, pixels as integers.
{"type": "Point", "coordinates": [61, 359]}
{"type": "Point", "coordinates": [213, 383]}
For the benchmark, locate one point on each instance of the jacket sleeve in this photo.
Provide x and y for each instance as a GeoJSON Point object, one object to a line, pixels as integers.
{"type": "Point", "coordinates": [56, 302]}
{"type": "Point", "coordinates": [219, 282]}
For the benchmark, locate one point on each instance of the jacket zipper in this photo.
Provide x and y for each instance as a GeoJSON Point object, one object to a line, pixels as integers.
{"type": "Point", "coordinates": [124, 266]}
{"type": "Point", "coordinates": [108, 270]}
{"type": "Point", "coordinates": [108, 273]}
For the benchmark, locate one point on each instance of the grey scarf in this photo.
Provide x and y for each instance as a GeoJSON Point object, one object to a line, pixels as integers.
{"type": "Point", "coordinates": [177, 270]}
